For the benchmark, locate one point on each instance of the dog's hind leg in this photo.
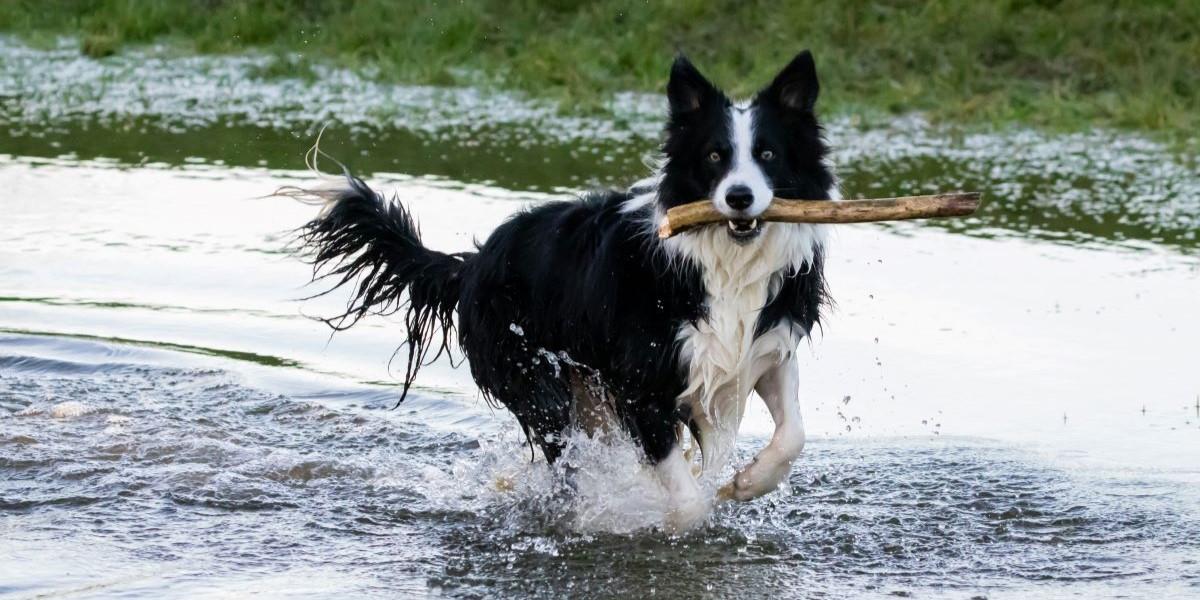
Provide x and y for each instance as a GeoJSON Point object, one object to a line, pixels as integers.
{"type": "Point", "coordinates": [779, 389]}
{"type": "Point", "coordinates": [542, 405]}
{"type": "Point", "coordinates": [535, 392]}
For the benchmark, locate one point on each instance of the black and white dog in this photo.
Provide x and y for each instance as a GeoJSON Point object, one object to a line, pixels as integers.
{"type": "Point", "coordinates": [574, 315]}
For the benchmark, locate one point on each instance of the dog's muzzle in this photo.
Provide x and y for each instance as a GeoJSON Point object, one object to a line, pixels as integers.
{"type": "Point", "coordinates": [743, 230]}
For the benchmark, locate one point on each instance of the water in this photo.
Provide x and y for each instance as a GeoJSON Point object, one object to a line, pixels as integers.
{"type": "Point", "coordinates": [999, 407]}
{"type": "Point", "coordinates": [140, 472]}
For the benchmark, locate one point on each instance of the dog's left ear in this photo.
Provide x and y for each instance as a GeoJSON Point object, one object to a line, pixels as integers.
{"type": "Point", "coordinates": [795, 87]}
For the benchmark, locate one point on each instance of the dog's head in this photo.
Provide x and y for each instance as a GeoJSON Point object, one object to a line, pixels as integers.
{"type": "Point", "coordinates": [742, 155]}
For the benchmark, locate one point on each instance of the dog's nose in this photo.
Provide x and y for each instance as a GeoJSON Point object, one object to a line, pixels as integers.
{"type": "Point", "coordinates": [739, 197]}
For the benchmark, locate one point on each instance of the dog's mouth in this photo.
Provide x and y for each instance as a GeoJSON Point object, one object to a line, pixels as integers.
{"type": "Point", "coordinates": [744, 230]}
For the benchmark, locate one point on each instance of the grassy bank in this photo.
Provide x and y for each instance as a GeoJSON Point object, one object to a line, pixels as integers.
{"type": "Point", "coordinates": [1068, 64]}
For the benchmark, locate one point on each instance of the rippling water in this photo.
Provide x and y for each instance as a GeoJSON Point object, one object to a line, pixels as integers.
{"type": "Point", "coordinates": [1000, 407]}
{"type": "Point", "coordinates": [190, 480]}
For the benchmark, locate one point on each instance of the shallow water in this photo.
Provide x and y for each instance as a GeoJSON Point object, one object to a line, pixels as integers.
{"type": "Point", "coordinates": [140, 473]}
{"type": "Point", "coordinates": [999, 407]}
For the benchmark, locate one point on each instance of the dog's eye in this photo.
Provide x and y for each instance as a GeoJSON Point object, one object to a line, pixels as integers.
{"type": "Point", "coordinates": [714, 157]}
{"type": "Point", "coordinates": [767, 155]}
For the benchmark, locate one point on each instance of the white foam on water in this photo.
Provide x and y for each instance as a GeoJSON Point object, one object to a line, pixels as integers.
{"type": "Point", "coordinates": [615, 491]}
{"type": "Point", "coordinates": [193, 91]}
{"type": "Point", "coordinates": [600, 484]}
{"type": "Point", "coordinates": [69, 409]}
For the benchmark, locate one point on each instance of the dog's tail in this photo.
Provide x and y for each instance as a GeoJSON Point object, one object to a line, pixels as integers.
{"type": "Point", "coordinates": [372, 243]}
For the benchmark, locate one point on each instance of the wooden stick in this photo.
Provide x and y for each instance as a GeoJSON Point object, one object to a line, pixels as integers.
{"type": "Point", "coordinates": [688, 216]}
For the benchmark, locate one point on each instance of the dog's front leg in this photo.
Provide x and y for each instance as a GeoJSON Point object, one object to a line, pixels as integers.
{"type": "Point", "coordinates": [687, 505]}
{"type": "Point", "coordinates": [779, 389]}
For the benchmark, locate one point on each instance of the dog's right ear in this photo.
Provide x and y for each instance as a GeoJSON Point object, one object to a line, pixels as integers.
{"type": "Point", "coordinates": [688, 90]}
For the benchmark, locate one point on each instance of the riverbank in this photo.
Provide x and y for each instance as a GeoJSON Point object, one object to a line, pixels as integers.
{"type": "Point", "coordinates": [1060, 65]}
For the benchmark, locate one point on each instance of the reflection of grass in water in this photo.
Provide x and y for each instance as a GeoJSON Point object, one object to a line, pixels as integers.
{"type": "Point", "coordinates": [261, 359]}
{"type": "Point", "coordinates": [472, 157]}
{"type": "Point", "coordinates": [1062, 63]}
{"type": "Point", "coordinates": [47, 301]}
{"type": "Point", "coordinates": [1099, 190]}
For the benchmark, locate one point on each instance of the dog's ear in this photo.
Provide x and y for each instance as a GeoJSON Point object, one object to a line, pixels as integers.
{"type": "Point", "coordinates": [688, 90]}
{"type": "Point", "coordinates": [795, 87]}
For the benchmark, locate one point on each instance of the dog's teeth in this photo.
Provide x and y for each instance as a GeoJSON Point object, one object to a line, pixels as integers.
{"type": "Point", "coordinates": [754, 224]}
{"type": "Point", "coordinates": [732, 225]}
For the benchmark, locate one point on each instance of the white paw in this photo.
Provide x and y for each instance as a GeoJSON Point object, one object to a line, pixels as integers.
{"type": "Point", "coordinates": [759, 477]}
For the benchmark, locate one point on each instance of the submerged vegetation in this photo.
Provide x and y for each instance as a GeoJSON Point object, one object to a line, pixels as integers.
{"type": "Point", "coordinates": [1063, 64]}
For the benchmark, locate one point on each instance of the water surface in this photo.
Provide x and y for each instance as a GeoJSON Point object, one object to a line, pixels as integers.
{"type": "Point", "coordinates": [1003, 406]}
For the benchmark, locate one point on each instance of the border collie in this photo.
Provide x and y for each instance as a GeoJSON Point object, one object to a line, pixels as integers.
{"type": "Point", "coordinates": [574, 315]}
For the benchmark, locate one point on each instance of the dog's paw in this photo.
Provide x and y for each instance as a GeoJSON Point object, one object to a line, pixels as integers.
{"type": "Point", "coordinates": [759, 477]}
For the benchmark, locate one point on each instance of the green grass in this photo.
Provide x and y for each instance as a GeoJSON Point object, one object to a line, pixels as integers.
{"type": "Point", "coordinates": [1062, 64]}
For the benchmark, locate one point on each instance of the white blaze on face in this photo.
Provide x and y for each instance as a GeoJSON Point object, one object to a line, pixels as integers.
{"type": "Point", "coordinates": [744, 169]}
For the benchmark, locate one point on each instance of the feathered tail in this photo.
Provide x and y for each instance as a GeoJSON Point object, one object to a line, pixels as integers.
{"type": "Point", "coordinates": [372, 243]}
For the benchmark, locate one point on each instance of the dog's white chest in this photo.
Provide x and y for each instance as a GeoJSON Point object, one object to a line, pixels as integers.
{"type": "Point", "coordinates": [720, 349]}
{"type": "Point", "coordinates": [721, 354]}
{"type": "Point", "coordinates": [722, 357]}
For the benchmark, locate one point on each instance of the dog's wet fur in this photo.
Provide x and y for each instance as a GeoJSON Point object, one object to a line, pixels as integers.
{"type": "Point", "coordinates": [574, 309]}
